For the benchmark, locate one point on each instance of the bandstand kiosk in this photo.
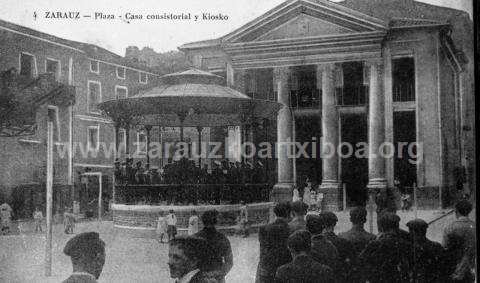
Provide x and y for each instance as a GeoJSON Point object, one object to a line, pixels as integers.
{"type": "Point", "coordinates": [192, 98]}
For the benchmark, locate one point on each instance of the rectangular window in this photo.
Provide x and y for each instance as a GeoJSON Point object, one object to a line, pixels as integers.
{"type": "Point", "coordinates": [94, 67]}
{"type": "Point", "coordinates": [121, 73]}
{"type": "Point", "coordinates": [27, 65]}
{"type": "Point", "coordinates": [122, 137]}
{"type": "Point", "coordinates": [121, 92]}
{"type": "Point", "coordinates": [53, 117]}
{"type": "Point", "coordinates": [53, 66]}
{"type": "Point", "coordinates": [141, 143]}
{"type": "Point", "coordinates": [403, 76]}
{"type": "Point", "coordinates": [143, 78]}
{"type": "Point", "coordinates": [93, 136]}
{"type": "Point", "coordinates": [94, 96]}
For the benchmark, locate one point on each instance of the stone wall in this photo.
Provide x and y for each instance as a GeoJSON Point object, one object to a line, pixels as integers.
{"type": "Point", "coordinates": [145, 217]}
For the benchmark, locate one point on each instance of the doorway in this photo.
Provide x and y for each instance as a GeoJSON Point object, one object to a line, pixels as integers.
{"type": "Point", "coordinates": [91, 195]}
{"type": "Point", "coordinates": [404, 137]}
{"type": "Point", "coordinates": [354, 169]}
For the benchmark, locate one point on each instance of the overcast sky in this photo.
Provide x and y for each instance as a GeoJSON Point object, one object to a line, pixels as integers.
{"type": "Point", "coordinates": [161, 35]}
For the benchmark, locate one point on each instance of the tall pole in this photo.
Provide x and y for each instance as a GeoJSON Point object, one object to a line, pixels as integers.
{"type": "Point", "coordinates": [48, 244]}
{"type": "Point", "coordinates": [100, 198]}
{"type": "Point", "coordinates": [199, 129]}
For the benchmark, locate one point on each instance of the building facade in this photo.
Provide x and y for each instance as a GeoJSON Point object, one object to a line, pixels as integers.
{"type": "Point", "coordinates": [82, 169]}
{"type": "Point", "coordinates": [393, 77]}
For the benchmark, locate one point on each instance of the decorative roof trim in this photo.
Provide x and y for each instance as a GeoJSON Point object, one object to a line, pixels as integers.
{"type": "Point", "coordinates": [334, 10]}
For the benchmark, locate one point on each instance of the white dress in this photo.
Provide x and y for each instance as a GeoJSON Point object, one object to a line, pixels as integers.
{"type": "Point", "coordinates": [307, 196]}
{"type": "Point", "coordinates": [161, 226]}
{"type": "Point", "coordinates": [296, 195]}
{"type": "Point", "coordinates": [192, 225]}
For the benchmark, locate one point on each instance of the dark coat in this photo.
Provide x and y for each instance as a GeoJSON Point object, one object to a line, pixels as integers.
{"type": "Point", "coordinates": [429, 261]}
{"type": "Point", "coordinates": [304, 269]}
{"type": "Point", "coordinates": [324, 251]}
{"type": "Point", "coordinates": [273, 249]}
{"type": "Point", "coordinates": [346, 256]}
{"type": "Point", "coordinates": [387, 259]}
{"type": "Point", "coordinates": [460, 244]}
{"type": "Point", "coordinates": [79, 278]}
{"type": "Point", "coordinates": [223, 258]}
{"type": "Point", "coordinates": [358, 237]}
{"type": "Point", "coordinates": [202, 277]}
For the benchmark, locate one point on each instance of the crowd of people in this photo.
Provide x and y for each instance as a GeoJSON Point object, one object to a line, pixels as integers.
{"type": "Point", "coordinates": [185, 171]}
{"type": "Point", "coordinates": [304, 248]}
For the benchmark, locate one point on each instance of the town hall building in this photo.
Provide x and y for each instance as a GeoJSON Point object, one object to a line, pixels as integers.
{"type": "Point", "coordinates": [359, 71]}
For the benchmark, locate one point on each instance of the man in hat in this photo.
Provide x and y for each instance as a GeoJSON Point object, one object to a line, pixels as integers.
{"type": "Point", "coordinates": [188, 260]}
{"type": "Point", "coordinates": [428, 255]}
{"type": "Point", "coordinates": [346, 251]}
{"type": "Point", "coordinates": [323, 250]}
{"type": "Point", "coordinates": [303, 267]}
{"type": "Point", "coordinates": [273, 244]}
{"type": "Point", "coordinates": [222, 260]}
{"type": "Point", "coordinates": [460, 244]}
{"type": "Point", "coordinates": [87, 252]}
{"type": "Point", "coordinates": [389, 258]}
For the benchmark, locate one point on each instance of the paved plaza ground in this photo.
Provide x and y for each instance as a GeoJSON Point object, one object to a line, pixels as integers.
{"type": "Point", "coordinates": [135, 257]}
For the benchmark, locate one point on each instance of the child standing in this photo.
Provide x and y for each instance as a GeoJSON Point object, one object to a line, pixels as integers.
{"type": "Point", "coordinates": [68, 221]}
{"type": "Point", "coordinates": [171, 220]}
{"type": "Point", "coordinates": [244, 228]}
{"type": "Point", "coordinates": [161, 228]}
{"type": "Point", "coordinates": [38, 218]}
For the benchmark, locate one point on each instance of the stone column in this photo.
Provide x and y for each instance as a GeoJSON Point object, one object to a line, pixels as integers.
{"type": "Point", "coordinates": [148, 129]}
{"type": "Point", "coordinates": [282, 191]}
{"type": "Point", "coordinates": [230, 75]}
{"type": "Point", "coordinates": [376, 136]}
{"type": "Point", "coordinates": [330, 187]}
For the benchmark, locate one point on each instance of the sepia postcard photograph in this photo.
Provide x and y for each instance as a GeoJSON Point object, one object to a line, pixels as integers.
{"type": "Point", "coordinates": [272, 141]}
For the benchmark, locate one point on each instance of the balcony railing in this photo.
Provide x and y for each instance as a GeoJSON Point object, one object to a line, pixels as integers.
{"type": "Point", "coordinates": [183, 194]}
{"type": "Point", "coordinates": [352, 96]}
{"type": "Point", "coordinates": [403, 91]}
{"type": "Point", "coordinates": [305, 99]}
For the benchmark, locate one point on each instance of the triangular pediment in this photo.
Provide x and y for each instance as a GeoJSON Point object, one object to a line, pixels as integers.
{"type": "Point", "coordinates": [305, 18]}
{"type": "Point", "coordinates": [304, 25]}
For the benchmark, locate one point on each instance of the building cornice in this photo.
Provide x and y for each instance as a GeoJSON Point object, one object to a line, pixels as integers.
{"type": "Point", "coordinates": [311, 50]}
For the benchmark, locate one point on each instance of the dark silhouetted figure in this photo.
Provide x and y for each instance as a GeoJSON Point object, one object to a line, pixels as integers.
{"type": "Point", "coordinates": [459, 242]}
{"type": "Point", "coordinates": [299, 209]}
{"type": "Point", "coordinates": [357, 234]}
{"type": "Point", "coordinates": [322, 250]}
{"type": "Point", "coordinates": [346, 251]}
{"type": "Point", "coordinates": [389, 258]}
{"type": "Point", "coordinates": [358, 237]}
{"type": "Point", "coordinates": [428, 255]}
{"type": "Point", "coordinates": [188, 259]}
{"type": "Point", "coordinates": [303, 267]}
{"type": "Point", "coordinates": [273, 245]}
{"type": "Point", "coordinates": [87, 252]}
{"type": "Point", "coordinates": [222, 259]}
